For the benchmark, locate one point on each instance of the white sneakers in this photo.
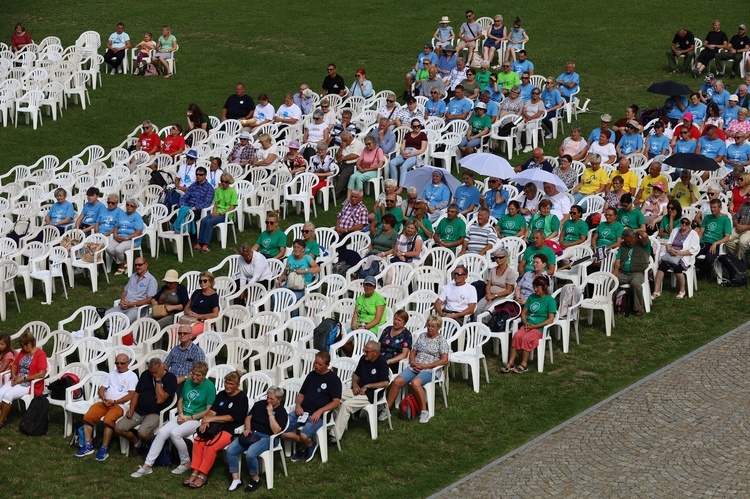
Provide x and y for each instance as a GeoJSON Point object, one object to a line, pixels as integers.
{"type": "Point", "coordinates": [383, 414]}
{"type": "Point", "coordinates": [424, 416]}
{"type": "Point", "coordinates": [528, 149]}
{"type": "Point", "coordinates": [112, 72]}
{"type": "Point", "coordinates": [141, 471]}
{"type": "Point", "coordinates": [182, 468]}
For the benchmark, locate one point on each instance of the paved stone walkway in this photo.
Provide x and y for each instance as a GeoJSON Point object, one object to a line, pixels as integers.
{"type": "Point", "coordinates": [682, 432]}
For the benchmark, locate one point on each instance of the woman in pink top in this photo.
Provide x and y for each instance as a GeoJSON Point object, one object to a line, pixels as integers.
{"type": "Point", "coordinates": [30, 365]}
{"type": "Point", "coordinates": [368, 164]}
{"type": "Point", "coordinates": [574, 145]}
{"type": "Point", "coordinates": [7, 355]}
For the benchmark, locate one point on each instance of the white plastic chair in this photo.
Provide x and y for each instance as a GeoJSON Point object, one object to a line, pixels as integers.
{"type": "Point", "coordinates": [30, 104]}
{"type": "Point", "coordinates": [56, 258]}
{"type": "Point", "coordinates": [299, 190]}
{"type": "Point", "coordinates": [604, 285]}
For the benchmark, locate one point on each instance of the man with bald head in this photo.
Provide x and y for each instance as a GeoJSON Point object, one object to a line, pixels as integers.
{"type": "Point", "coordinates": [114, 393]}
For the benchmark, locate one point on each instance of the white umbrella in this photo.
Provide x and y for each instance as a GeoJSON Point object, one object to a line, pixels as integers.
{"type": "Point", "coordinates": [488, 164]}
{"type": "Point", "coordinates": [539, 177]}
{"type": "Point", "coordinates": [422, 177]}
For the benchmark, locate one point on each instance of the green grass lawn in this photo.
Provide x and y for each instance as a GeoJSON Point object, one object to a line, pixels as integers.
{"type": "Point", "coordinates": [619, 51]}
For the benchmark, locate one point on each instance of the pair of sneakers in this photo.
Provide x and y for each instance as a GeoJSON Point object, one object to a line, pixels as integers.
{"type": "Point", "coordinates": [306, 454]}
{"type": "Point", "coordinates": [88, 449]}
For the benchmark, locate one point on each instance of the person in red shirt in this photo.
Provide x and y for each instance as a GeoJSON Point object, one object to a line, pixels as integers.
{"type": "Point", "coordinates": [20, 38]}
{"type": "Point", "coordinates": [174, 144]}
{"type": "Point", "coordinates": [149, 140]}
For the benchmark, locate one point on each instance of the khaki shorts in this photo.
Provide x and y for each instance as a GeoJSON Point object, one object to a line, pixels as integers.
{"type": "Point", "coordinates": [148, 424]}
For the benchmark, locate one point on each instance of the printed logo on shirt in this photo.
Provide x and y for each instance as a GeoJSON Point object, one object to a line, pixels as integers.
{"type": "Point", "coordinates": [535, 307]}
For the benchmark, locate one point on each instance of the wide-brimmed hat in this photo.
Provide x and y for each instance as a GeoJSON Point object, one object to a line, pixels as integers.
{"type": "Point", "coordinates": [444, 19]}
{"type": "Point", "coordinates": [294, 144]}
{"type": "Point", "coordinates": [171, 276]}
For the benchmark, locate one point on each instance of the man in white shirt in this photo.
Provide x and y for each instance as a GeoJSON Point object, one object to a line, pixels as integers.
{"type": "Point", "coordinates": [458, 298]}
{"type": "Point", "coordinates": [560, 202]}
{"type": "Point", "coordinates": [186, 173]}
{"type": "Point", "coordinates": [253, 267]}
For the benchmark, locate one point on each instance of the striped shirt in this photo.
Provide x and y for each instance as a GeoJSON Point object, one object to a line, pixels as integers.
{"type": "Point", "coordinates": [479, 237]}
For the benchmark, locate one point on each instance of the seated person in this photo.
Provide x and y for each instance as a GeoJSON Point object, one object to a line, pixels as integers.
{"type": "Point", "coordinates": [173, 296]}
{"type": "Point", "coordinates": [513, 223]}
{"type": "Point", "coordinates": [603, 147]}
{"type": "Point", "coordinates": [140, 288]}
{"type": "Point", "coordinates": [272, 242]}
{"type": "Point", "coordinates": [658, 143]}
{"type": "Point", "coordinates": [481, 237]}
{"type": "Point", "coordinates": [501, 283]}
{"type": "Point", "coordinates": [369, 308]}
{"type": "Point", "coordinates": [525, 285]}
{"type": "Point", "coordinates": [467, 194]}
{"type": "Point", "coordinates": [479, 126]}
{"type": "Point", "coordinates": [203, 305]}
{"type": "Point", "coordinates": [631, 142]}
{"type": "Point", "coordinates": [30, 364]}
{"type": "Point", "coordinates": [714, 231]}
{"type": "Point", "coordinates": [609, 231]}
{"type": "Point", "coordinates": [88, 220]}
{"type": "Point", "coordinates": [451, 230]}
{"type": "Point", "coordinates": [353, 215]}
{"type": "Point", "coordinates": [574, 230]}
{"type": "Point", "coordinates": [431, 351]}
{"type": "Point", "coordinates": [395, 342]}
{"type": "Point", "coordinates": [648, 182]}
{"type": "Point", "coordinates": [685, 191]}
{"type": "Point", "coordinates": [437, 195]}
{"type": "Point", "coordinates": [629, 178]}
{"type": "Point", "coordinates": [288, 113]}
{"type": "Point", "coordinates": [61, 214]}
{"type": "Point", "coordinates": [630, 216]}
{"type": "Point", "coordinates": [544, 220]}
{"type": "Point", "coordinates": [183, 361]}
{"type": "Point", "coordinates": [197, 197]}
{"type": "Point", "coordinates": [252, 267]}
{"type": "Point", "coordinates": [593, 181]}
{"type": "Point", "coordinates": [537, 160]}
{"type": "Point", "coordinates": [320, 393]}
{"type": "Point", "coordinates": [495, 198]}
{"type": "Point", "coordinates": [537, 246]}
{"type": "Point", "coordinates": [679, 255]}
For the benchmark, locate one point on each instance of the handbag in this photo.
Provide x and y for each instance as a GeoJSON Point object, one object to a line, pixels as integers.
{"type": "Point", "coordinates": [186, 319]}
{"type": "Point", "coordinates": [69, 241]}
{"type": "Point", "coordinates": [89, 251]}
{"type": "Point", "coordinates": [295, 281]}
{"type": "Point", "coordinates": [671, 259]}
{"type": "Point", "coordinates": [159, 312]}
{"type": "Point", "coordinates": [247, 441]}
{"type": "Point", "coordinates": [211, 431]}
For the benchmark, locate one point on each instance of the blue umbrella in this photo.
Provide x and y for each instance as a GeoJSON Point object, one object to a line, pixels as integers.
{"type": "Point", "coordinates": [422, 177]}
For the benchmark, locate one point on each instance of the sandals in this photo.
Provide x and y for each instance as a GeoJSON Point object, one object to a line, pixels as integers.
{"type": "Point", "coordinates": [196, 247]}
{"type": "Point", "coordinates": [205, 248]}
{"type": "Point", "coordinates": [168, 75]}
{"type": "Point", "coordinates": [187, 482]}
{"type": "Point", "coordinates": [196, 485]}
{"type": "Point", "coordinates": [520, 369]}
{"type": "Point", "coordinates": [680, 295]}
{"type": "Point", "coordinates": [506, 369]}
{"type": "Point", "coordinates": [121, 270]}
{"type": "Point", "coordinates": [655, 295]}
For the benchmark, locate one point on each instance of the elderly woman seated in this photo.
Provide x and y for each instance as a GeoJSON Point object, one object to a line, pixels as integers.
{"type": "Point", "coordinates": [30, 364]}
{"type": "Point", "coordinates": [680, 253]}
{"type": "Point", "coordinates": [437, 195]}
{"type": "Point", "coordinates": [429, 351]}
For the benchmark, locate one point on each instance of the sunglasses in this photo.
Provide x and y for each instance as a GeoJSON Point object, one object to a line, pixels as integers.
{"type": "Point", "coordinates": [139, 264]}
{"type": "Point", "coordinates": [506, 65]}
{"type": "Point", "coordinates": [304, 231]}
{"type": "Point", "coordinates": [684, 222]}
{"type": "Point", "coordinates": [458, 274]}
{"type": "Point", "coordinates": [112, 203]}
{"type": "Point", "coordinates": [391, 201]}
{"type": "Point", "coordinates": [416, 126]}
{"type": "Point", "coordinates": [524, 77]}
{"type": "Point", "coordinates": [390, 100]}
{"type": "Point", "coordinates": [325, 107]}
{"type": "Point", "coordinates": [183, 333]}
{"type": "Point", "coordinates": [270, 222]}
{"type": "Point", "coordinates": [330, 69]}
{"type": "Point", "coordinates": [434, 93]}
{"type": "Point", "coordinates": [500, 258]}
{"type": "Point", "coordinates": [200, 174]}
{"type": "Point", "coordinates": [203, 281]}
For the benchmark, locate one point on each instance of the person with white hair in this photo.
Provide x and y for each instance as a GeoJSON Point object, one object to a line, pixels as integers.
{"type": "Point", "coordinates": [304, 99]}
{"type": "Point", "coordinates": [128, 227]}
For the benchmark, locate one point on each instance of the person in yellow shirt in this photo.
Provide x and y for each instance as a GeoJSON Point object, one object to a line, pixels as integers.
{"type": "Point", "coordinates": [593, 181]}
{"type": "Point", "coordinates": [654, 175]}
{"type": "Point", "coordinates": [630, 179]}
{"type": "Point", "coordinates": [685, 191]}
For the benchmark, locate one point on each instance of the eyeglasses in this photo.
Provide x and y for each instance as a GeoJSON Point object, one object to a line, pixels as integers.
{"type": "Point", "coordinates": [506, 65]}
{"type": "Point", "coordinates": [183, 333]}
{"type": "Point", "coordinates": [121, 363]}
{"type": "Point", "coordinates": [203, 281]}
{"type": "Point", "coordinates": [358, 75]}
{"type": "Point", "coordinates": [434, 93]}
{"type": "Point", "coordinates": [713, 193]}
{"type": "Point", "coordinates": [535, 93]}
{"type": "Point", "coordinates": [671, 209]}
{"type": "Point", "coordinates": [416, 125]}
{"type": "Point", "coordinates": [458, 274]}
{"type": "Point", "coordinates": [684, 222]}
{"type": "Point", "coordinates": [147, 127]}
{"type": "Point", "coordinates": [324, 107]}
{"type": "Point", "coordinates": [391, 201]}
{"type": "Point", "coordinates": [684, 133]}
{"type": "Point", "coordinates": [139, 264]}
{"type": "Point", "coordinates": [500, 258]}
{"type": "Point", "coordinates": [306, 231]}
{"type": "Point", "coordinates": [111, 203]}
{"type": "Point", "coordinates": [330, 69]}
{"type": "Point", "coordinates": [270, 222]}
{"type": "Point", "coordinates": [390, 100]}
{"type": "Point", "coordinates": [200, 174]}
{"type": "Point", "coordinates": [524, 77]}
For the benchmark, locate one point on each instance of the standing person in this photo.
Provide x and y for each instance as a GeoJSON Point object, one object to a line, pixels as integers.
{"type": "Point", "coordinates": [114, 393]}
{"type": "Point", "coordinates": [714, 231]}
{"type": "Point", "coordinates": [118, 45]}
{"type": "Point", "coordinates": [334, 82]}
{"type": "Point", "coordinates": [198, 397]}
{"type": "Point", "coordinates": [632, 260]}
{"type": "Point", "coordinates": [320, 393]}
{"type": "Point", "coordinates": [165, 48]}
{"type": "Point", "coordinates": [683, 45]}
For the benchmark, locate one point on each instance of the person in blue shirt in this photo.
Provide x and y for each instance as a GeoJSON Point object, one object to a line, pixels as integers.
{"type": "Point", "coordinates": [711, 146]}
{"type": "Point", "coordinates": [109, 217]}
{"type": "Point", "coordinates": [459, 107]}
{"type": "Point", "coordinates": [631, 142]}
{"type": "Point", "coordinates": [686, 144]}
{"type": "Point", "coordinates": [467, 194]}
{"type": "Point", "coordinates": [92, 210]}
{"type": "Point", "coordinates": [526, 87]}
{"type": "Point", "coordinates": [62, 213]}
{"type": "Point", "coordinates": [568, 82]}
{"type": "Point", "coordinates": [522, 65]}
{"type": "Point", "coordinates": [437, 195]}
{"type": "Point", "coordinates": [435, 106]}
{"type": "Point", "coordinates": [126, 235]}
{"type": "Point", "coordinates": [491, 107]}
{"type": "Point", "coordinates": [696, 107]}
{"type": "Point", "coordinates": [495, 198]}
{"type": "Point", "coordinates": [674, 107]}
{"type": "Point", "coordinates": [594, 135]}
{"type": "Point", "coordinates": [447, 61]}
{"type": "Point", "coordinates": [707, 88]}
{"type": "Point", "coordinates": [721, 95]}
{"type": "Point", "coordinates": [553, 102]}
{"type": "Point", "coordinates": [731, 111]}
{"type": "Point", "coordinates": [738, 154]}
{"type": "Point", "coordinates": [658, 143]}
{"type": "Point", "coordinates": [427, 53]}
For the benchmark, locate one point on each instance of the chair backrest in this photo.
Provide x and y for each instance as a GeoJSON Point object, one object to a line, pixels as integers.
{"type": "Point", "coordinates": [420, 301]}
{"type": "Point", "coordinates": [190, 280]}
{"type": "Point", "coordinates": [291, 388]}
{"type": "Point", "coordinates": [255, 385]}
{"type": "Point", "coordinates": [427, 278]}
{"type": "Point", "coordinates": [217, 374]}
{"type": "Point", "coordinates": [515, 246]}
{"type": "Point", "coordinates": [262, 325]}
{"type": "Point", "coordinates": [439, 257]}
{"type": "Point", "coordinates": [40, 330]}
{"type": "Point", "coordinates": [393, 294]}
{"type": "Point", "coordinates": [604, 284]}
{"type": "Point", "coordinates": [344, 368]}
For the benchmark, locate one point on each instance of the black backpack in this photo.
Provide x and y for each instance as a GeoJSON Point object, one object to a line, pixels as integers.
{"type": "Point", "coordinates": [326, 334]}
{"type": "Point", "coordinates": [502, 313]}
{"type": "Point", "coordinates": [734, 272]}
{"type": "Point", "coordinates": [36, 418]}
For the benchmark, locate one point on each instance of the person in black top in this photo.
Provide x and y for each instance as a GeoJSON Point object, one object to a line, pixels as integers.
{"type": "Point", "coordinates": [153, 393]}
{"type": "Point", "coordinates": [216, 429]}
{"type": "Point", "coordinates": [320, 393]}
{"type": "Point", "coordinates": [738, 45]}
{"type": "Point", "coordinates": [333, 83]}
{"type": "Point", "coordinates": [266, 418]}
{"type": "Point", "coordinates": [715, 40]}
{"type": "Point", "coordinates": [683, 44]}
{"type": "Point", "coordinates": [239, 106]}
{"type": "Point", "coordinates": [372, 373]}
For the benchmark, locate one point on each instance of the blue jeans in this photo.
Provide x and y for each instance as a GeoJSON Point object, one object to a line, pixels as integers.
{"type": "Point", "coordinates": [405, 164]}
{"type": "Point", "coordinates": [207, 227]}
{"type": "Point", "coordinates": [251, 456]}
{"type": "Point", "coordinates": [308, 428]}
{"type": "Point", "coordinates": [578, 196]}
{"type": "Point", "coordinates": [465, 142]}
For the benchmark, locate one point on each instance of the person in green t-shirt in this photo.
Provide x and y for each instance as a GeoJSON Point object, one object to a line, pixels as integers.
{"type": "Point", "coordinates": [574, 231]}
{"type": "Point", "coordinates": [424, 225]}
{"type": "Point", "coordinates": [632, 260]}
{"type": "Point", "coordinates": [714, 231]}
{"type": "Point", "coordinates": [272, 241]}
{"type": "Point", "coordinates": [451, 231]}
{"type": "Point", "coordinates": [609, 232]}
{"type": "Point", "coordinates": [538, 246]}
{"type": "Point", "coordinates": [628, 215]}
{"type": "Point", "coordinates": [369, 308]}
{"type": "Point", "coordinates": [479, 126]}
{"type": "Point", "coordinates": [538, 311]}
{"type": "Point", "coordinates": [312, 247]}
{"type": "Point", "coordinates": [513, 223]}
{"type": "Point", "coordinates": [225, 201]}
{"type": "Point", "coordinates": [545, 220]}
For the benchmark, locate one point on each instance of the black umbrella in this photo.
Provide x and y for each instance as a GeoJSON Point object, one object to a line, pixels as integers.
{"type": "Point", "coordinates": [669, 88]}
{"type": "Point", "coordinates": [691, 161]}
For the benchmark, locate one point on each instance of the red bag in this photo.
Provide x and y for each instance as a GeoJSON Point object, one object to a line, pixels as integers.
{"type": "Point", "coordinates": [554, 246]}
{"type": "Point", "coordinates": [408, 408]}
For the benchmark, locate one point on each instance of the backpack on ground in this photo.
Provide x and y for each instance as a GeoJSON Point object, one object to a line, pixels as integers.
{"type": "Point", "coordinates": [36, 418]}
{"type": "Point", "coordinates": [77, 440]}
{"type": "Point", "coordinates": [408, 408]}
{"type": "Point", "coordinates": [622, 302]}
{"type": "Point", "coordinates": [734, 272]}
{"type": "Point", "coordinates": [326, 334]}
{"type": "Point", "coordinates": [502, 313]}
{"type": "Point", "coordinates": [151, 70]}
{"type": "Point", "coordinates": [57, 388]}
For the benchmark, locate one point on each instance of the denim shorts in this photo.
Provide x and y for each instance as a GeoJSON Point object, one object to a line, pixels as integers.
{"type": "Point", "coordinates": [308, 428]}
{"type": "Point", "coordinates": [409, 374]}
